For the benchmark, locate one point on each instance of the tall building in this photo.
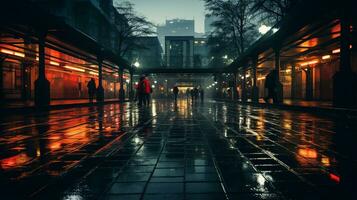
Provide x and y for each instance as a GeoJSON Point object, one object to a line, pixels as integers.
{"type": "Point", "coordinates": [179, 51]}
{"type": "Point", "coordinates": [208, 24]}
{"type": "Point", "coordinates": [201, 52]}
{"type": "Point", "coordinates": [175, 27]}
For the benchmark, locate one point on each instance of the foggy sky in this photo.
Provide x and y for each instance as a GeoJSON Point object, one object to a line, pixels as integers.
{"type": "Point", "coordinates": [158, 11]}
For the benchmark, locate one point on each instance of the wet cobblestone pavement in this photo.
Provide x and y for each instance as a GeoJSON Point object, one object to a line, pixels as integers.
{"type": "Point", "coordinates": [209, 150]}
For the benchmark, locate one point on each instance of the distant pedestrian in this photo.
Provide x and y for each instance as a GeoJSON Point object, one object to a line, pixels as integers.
{"type": "Point", "coordinates": [176, 92]}
{"type": "Point", "coordinates": [271, 81]}
{"type": "Point", "coordinates": [192, 93]}
{"type": "Point", "coordinates": [202, 94]}
{"type": "Point", "coordinates": [92, 88]}
{"type": "Point", "coordinates": [144, 91]}
{"type": "Point", "coordinates": [196, 93]}
{"type": "Point", "coordinates": [188, 92]}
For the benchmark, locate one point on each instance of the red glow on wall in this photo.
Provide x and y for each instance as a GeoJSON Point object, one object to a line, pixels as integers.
{"type": "Point", "coordinates": [335, 178]}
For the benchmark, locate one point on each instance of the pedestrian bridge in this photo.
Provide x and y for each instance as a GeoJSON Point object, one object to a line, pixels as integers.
{"type": "Point", "coordinates": [193, 70]}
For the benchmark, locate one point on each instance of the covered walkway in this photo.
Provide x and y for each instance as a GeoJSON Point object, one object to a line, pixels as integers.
{"type": "Point", "coordinates": [210, 150]}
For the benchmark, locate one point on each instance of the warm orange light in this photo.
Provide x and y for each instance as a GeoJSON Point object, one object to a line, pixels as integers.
{"type": "Point", "coordinates": [94, 73]}
{"type": "Point", "coordinates": [14, 161]}
{"type": "Point", "coordinates": [309, 63]}
{"type": "Point", "coordinates": [325, 57]}
{"type": "Point", "coordinates": [261, 78]}
{"type": "Point", "coordinates": [54, 63]}
{"type": "Point", "coordinates": [19, 54]}
{"type": "Point", "coordinates": [336, 51]}
{"type": "Point", "coordinates": [308, 153]}
{"type": "Point", "coordinates": [6, 51]}
{"type": "Point", "coordinates": [55, 146]}
{"type": "Point", "coordinates": [325, 161]}
{"type": "Point", "coordinates": [339, 50]}
{"type": "Point", "coordinates": [74, 68]}
{"type": "Point", "coordinates": [335, 178]}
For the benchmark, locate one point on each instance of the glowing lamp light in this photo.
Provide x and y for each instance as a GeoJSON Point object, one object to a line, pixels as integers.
{"type": "Point", "coordinates": [94, 73]}
{"type": "Point", "coordinates": [308, 153]}
{"type": "Point", "coordinates": [309, 63]}
{"type": "Point", "coordinates": [336, 51]}
{"type": "Point", "coordinates": [6, 51]}
{"type": "Point", "coordinates": [54, 63]}
{"type": "Point", "coordinates": [339, 50]}
{"type": "Point", "coordinates": [325, 161]}
{"type": "Point", "coordinates": [19, 54]}
{"type": "Point", "coordinates": [153, 86]}
{"type": "Point", "coordinates": [137, 64]}
{"type": "Point", "coordinates": [263, 29]}
{"type": "Point", "coordinates": [260, 78]}
{"type": "Point", "coordinates": [74, 68]}
{"type": "Point", "coordinates": [325, 57]}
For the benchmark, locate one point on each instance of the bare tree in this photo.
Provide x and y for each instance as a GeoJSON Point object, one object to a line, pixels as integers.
{"type": "Point", "coordinates": [273, 10]}
{"type": "Point", "coordinates": [131, 25]}
{"type": "Point", "coordinates": [234, 28]}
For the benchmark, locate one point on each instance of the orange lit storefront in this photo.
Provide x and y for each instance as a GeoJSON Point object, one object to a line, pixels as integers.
{"type": "Point", "coordinates": [309, 59]}
{"type": "Point", "coordinates": [67, 72]}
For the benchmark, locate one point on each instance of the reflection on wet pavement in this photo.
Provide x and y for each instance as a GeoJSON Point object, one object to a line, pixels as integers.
{"type": "Point", "coordinates": [209, 150]}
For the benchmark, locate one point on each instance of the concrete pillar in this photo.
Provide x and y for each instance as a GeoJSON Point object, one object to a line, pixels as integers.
{"type": "Point", "coordinates": [309, 84]}
{"type": "Point", "coordinates": [255, 89]}
{"type": "Point", "coordinates": [279, 86]}
{"type": "Point", "coordinates": [42, 85]}
{"type": "Point", "coordinates": [2, 59]}
{"type": "Point", "coordinates": [121, 90]}
{"type": "Point", "coordinates": [345, 80]}
{"type": "Point", "coordinates": [131, 96]}
{"type": "Point", "coordinates": [293, 81]}
{"type": "Point", "coordinates": [100, 89]}
{"type": "Point", "coordinates": [25, 79]}
{"type": "Point", "coordinates": [244, 85]}
{"type": "Point", "coordinates": [234, 88]}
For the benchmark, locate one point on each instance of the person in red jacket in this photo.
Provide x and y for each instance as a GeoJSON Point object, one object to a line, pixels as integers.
{"type": "Point", "coordinates": [144, 89]}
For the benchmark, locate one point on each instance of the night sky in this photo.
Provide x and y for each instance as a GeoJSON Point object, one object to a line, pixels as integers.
{"type": "Point", "coordinates": [158, 11]}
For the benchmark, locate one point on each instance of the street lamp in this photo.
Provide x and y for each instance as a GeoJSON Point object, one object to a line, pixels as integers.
{"type": "Point", "coordinates": [263, 29]}
{"type": "Point", "coordinates": [137, 64]}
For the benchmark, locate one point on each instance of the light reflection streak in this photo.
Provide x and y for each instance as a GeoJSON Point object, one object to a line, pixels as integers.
{"type": "Point", "coordinates": [15, 161]}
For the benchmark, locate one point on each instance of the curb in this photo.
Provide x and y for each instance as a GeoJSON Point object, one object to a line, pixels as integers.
{"type": "Point", "coordinates": [321, 111]}
{"type": "Point", "coordinates": [31, 109]}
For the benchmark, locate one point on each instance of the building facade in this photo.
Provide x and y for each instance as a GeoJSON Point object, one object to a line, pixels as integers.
{"type": "Point", "coordinates": [315, 60]}
{"type": "Point", "coordinates": [201, 53]}
{"type": "Point", "coordinates": [52, 42]}
{"type": "Point", "coordinates": [175, 27]}
{"type": "Point", "coordinates": [179, 51]}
